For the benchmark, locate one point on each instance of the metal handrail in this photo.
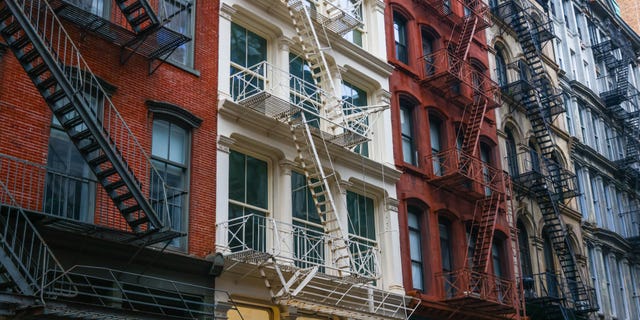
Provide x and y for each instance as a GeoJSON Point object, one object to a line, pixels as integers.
{"type": "Point", "coordinates": [301, 245]}
{"type": "Point", "coordinates": [468, 283]}
{"type": "Point", "coordinates": [107, 287]}
{"type": "Point", "coordinates": [553, 285]}
{"type": "Point", "coordinates": [31, 257]}
{"type": "Point", "coordinates": [67, 56]}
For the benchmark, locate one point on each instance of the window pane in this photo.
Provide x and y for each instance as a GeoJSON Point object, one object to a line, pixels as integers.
{"type": "Point", "coordinates": [178, 145]}
{"type": "Point", "coordinates": [257, 189]}
{"type": "Point", "coordinates": [236, 176]}
{"type": "Point", "coordinates": [160, 144]}
{"type": "Point", "coordinates": [238, 45]}
{"type": "Point", "coordinates": [416, 275]}
{"type": "Point", "coordinates": [416, 249]}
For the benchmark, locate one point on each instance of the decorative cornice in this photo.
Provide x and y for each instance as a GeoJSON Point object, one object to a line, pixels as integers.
{"type": "Point", "coordinates": [392, 204]}
{"type": "Point", "coordinates": [224, 143]}
{"type": "Point", "coordinates": [175, 112]}
{"type": "Point", "coordinates": [227, 11]}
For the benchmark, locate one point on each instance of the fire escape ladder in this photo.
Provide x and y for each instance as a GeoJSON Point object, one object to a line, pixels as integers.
{"type": "Point", "coordinates": [473, 117]}
{"type": "Point", "coordinates": [56, 67]}
{"type": "Point", "coordinates": [315, 54]}
{"type": "Point", "coordinates": [139, 14]}
{"type": "Point", "coordinates": [485, 214]}
{"type": "Point", "coordinates": [27, 265]}
{"type": "Point", "coordinates": [318, 182]}
{"type": "Point", "coordinates": [467, 30]}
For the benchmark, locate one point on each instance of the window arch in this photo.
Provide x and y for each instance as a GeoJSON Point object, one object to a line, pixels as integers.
{"type": "Point", "coordinates": [501, 67]}
{"type": "Point", "coordinates": [400, 36]}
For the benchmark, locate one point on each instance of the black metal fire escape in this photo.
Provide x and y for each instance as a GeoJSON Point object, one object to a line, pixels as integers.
{"type": "Point", "coordinates": [550, 192]}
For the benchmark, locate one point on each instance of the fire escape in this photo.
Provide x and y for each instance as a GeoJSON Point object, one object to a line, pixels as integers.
{"type": "Point", "coordinates": [448, 73]}
{"type": "Point", "coordinates": [133, 207]}
{"type": "Point", "coordinates": [548, 296]}
{"type": "Point", "coordinates": [343, 282]}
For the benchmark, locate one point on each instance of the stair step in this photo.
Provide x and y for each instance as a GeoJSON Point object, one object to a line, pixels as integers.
{"type": "Point", "coordinates": [129, 210]}
{"type": "Point", "coordinates": [93, 146]}
{"type": "Point", "coordinates": [81, 135]}
{"type": "Point", "coordinates": [55, 96]}
{"type": "Point", "coordinates": [138, 20]}
{"type": "Point", "coordinates": [20, 42]}
{"type": "Point", "coordinates": [73, 122]}
{"type": "Point", "coordinates": [44, 84]}
{"type": "Point", "coordinates": [5, 14]}
{"type": "Point", "coordinates": [114, 185]}
{"type": "Point", "coordinates": [11, 28]}
{"type": "Point", "coordinates": [106, 173]}
{"type": "Point", "coordinates": [138, 222]}
{"type": "Point", "coordinates": [137, 5]}
{"type": "Point", "coordinates": [123, 197]}
{"type": "Point", "coordinates": [28, 57]}
{"type": "Point", "coordinates": [98, 160]}
{"type": "Point", "coordinates": [35, 71]}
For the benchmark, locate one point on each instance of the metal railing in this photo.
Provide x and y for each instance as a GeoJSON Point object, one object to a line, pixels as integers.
{"type": "Point", "coordinates": [438, 67]}
{"type": "Point", "coordinates": [573, 295]}
{"type": "Point", "coordinates": [455, 162]}
{"type": "Point", "coordinates": [483, 286]}
{"type": "Point", "coordinates": [303, 246]}
{"type": "Point", "coordinates": [531, 170]}
{"type": "Point", "coordinates": [448, 8]}
{"type": "Point", "coordinates": [27, 259]}
{"type": "Point", "coordinates": [112, 126]}
{"type": "Point", "coordinates": [293, 95]}
{"type": "Point", "coordinates": [36, 188]}
{"type": "Point", "coordinates": [337, 16]}
{"type": "Point", "coordinates": [122, 290]}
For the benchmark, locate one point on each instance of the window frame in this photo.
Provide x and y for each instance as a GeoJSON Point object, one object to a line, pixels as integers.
{"type": "Point", "coordinates": [417, 230]}
{"type": "Point", "coordinates": [407, 109]}
{"type": "Point", "coordinates": [400, 30]}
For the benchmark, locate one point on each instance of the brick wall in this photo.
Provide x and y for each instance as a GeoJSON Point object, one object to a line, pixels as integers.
{"type": "Point", "coordinates": [25, 118]}
{"type": "Point", "coordinates": [630, 10]}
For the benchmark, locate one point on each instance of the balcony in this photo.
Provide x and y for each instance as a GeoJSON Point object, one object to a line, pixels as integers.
{"type": "Point", "coordinates": [482, 292]}
{"type": "Point", "coordinates": [340, 18]}
{"type": "Point", "coordinates": [457, 171]}
{"type": "Point", "coordinates": [553, 295]}
{"type": "Point", "coordinates": [302, 254]}
{"type": "Point", "coordinates": [457, 80]}
{"type": "Point", "coordinates": [523, 93]}
{"type": "Point", "coordinates": [156, 43]}
{"type": "Point", "coordinates": [276, 94]}
{"type": "Point", "coordinates": [77, 204]}
{"type": "Point", "coordinates": [531, 174]}
{"type": "Point", "coordinates": [512, 13]}
{"type": "Point", "coordinates": [449, 11]}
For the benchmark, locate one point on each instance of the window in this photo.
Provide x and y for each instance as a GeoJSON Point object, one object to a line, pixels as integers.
{"type": "Point", "coordinates": [525, 256]}
{"type": "Point", "coordinates": [485, 157]}
{"type": "Point", "coordinates": [551, 280]}
{"type": "Point", "coordinates": [303, 91]}
{"type": "Point", "coordinates": [595, 125]}
{"type": "Point", "coordinates": [609, 197]}
{"type": "Point", "coordinates": [512, 154]}
{"type": "Point", "coordinates": [248, 202]}
{"type": "Point", "coordinates": [170, 155]}
{"type": "Point", "coordinates": [308, 233]}
{"type": "Point", "coordinates": [621, 294]}
{"type": "Point", "coordinates": [409, 153]}
{"type": "Point", "coordinates": [355, 9]}
{"type": "Point", "coordinates": [414, 218]}
{"type": "Point", "coordinates": [596, 191]}
{"type": "Point", "coordinates": [501, 68]}
{"type": "Point", "coordinates": [400, 36]}
{"type": "Point", "coordinates": [98, 7]}
{"type": "Point", "coordinates": [533, 155]}
{"type": "Point", "coordinates": [248, 50]}
{"type": "Point", "coordinates": [428, 46]}
{"type": "Point", "coordinates": [362, 229]}
{"type": "Point", "coordinates": [353, 98]}
{"type": "Point", "coordinates": [608, 272]}
{"type": "Point", "coordinates": [70, 183]}
{"type": "Point", "coordinates": [444, 228]}
{"type": "Point", "coordinates": [569, 115]}
{"type": "Point", "coordinates": [496, 257]}
{"type": "Point", "coordinates": [435, 130]}
{"type": "Point", "coordinates": [181, 19]}
{"type": "Point", "coordinates": [582, 189]}
{"type": "Point", "coordinates": [594, 274]}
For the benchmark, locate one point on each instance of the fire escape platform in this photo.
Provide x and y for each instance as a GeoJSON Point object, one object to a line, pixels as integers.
{"type": "Point", "coordinates": [479, 291]}
{"type": "Point", "coordinates": [153, 44]}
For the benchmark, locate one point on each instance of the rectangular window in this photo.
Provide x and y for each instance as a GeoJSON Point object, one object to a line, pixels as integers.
{"type": "Point", "coordinates": [595, 194]}
{"type": "Point", "coordinates": [248, 52]}
{"type": "Point", "coordinates": [308, 233]}
{"type": "Point", "coordinates": [609, 283]}
{"type": "Point", "coordinates": [446, 257]}
{"type": "Point", "coordinates": [408, 144]}
{"type": "Point", "coordinates": [303, 92]}
{"type": "Point", "coordinates": [608, 201]}
{"type": "Point", "coordinates": [248, 202]}
{"type": "Point", "coordinates": [354, 99]}
{"type": "Point", "coordinates": [362, 229]}
{"type": "Point", "coordinates": [180, 18]}
{"type": "Point", "coordinates": [436, 146]}
{"type": "Point", "coordinates": [169, 154]}
{"type": "Point", "coordinates": [98, 7]}
{"type": "Point", "coordinates": [400, 36]}
{"type": "Point", "coordinates": [594, 274]}
{"type": "Point", "coordinates": [415, 247]}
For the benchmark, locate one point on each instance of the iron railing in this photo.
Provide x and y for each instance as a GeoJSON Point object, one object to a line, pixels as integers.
{"type": "Point", "coordinates": [439, 68]}
{"type": "Point", "coordinates": [532, 170]}
{"type": "Point", "coordinates": [337, 16]}
{"type": "Point", "coordinates": [304, 246]}
{"type": "Point", "coordinates": [27, 259]}
{"type": "Point", "coordinates": [475, 7]}
{"type": "Point", "coordinates": [465, 283]}
{"type": "Point", "coordinates": [551, 285]}
{"type": "Point", "coordinates": [136, 292]}
{"type": "Point", "coordinates": [117, 133]}
{"type": "Point", "coordinates": [289, 95]}
{"type": "Point", "coordinates": [36, 188]}
{"type": "Point", "coordinates": [454, 162]}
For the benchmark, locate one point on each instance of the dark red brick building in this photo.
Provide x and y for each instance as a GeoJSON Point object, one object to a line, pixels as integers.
{"type": "Point", "coordinates": [107, 155]}
{"type": "Point", "coordinates": [456, 220]}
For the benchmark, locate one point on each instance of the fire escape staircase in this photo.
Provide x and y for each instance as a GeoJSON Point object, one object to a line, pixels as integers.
{"type": "Point", "coordinates": [54, 64]}
{"type": "Point", "coordinates": [139, 14]}
{"type": "Point", "coordinates": [549, 192]}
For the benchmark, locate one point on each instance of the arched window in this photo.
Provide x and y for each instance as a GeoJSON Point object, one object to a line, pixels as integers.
{"type": "Point", "coordinates": [400, 37]}
{"type": "Point", "coordinates": [409, 152]}
{"type": "Point", "coordinates": [525, 256]}
{"type": "Point", "coordinates": [512, 154]}
{"type": "Point", "coordinates": [415, 218]}
{"type": "Point", "coordinates": [428, 47]}
{"type": "Point", "coordinates": [501, 68]}
{"type": "Point", "coordinates": [436, 138]}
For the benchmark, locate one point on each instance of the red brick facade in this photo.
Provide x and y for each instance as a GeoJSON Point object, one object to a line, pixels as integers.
{"type": "Point", "coordinates": [26, 119]}
{"type": "Point", "coordinates": [415, 188]}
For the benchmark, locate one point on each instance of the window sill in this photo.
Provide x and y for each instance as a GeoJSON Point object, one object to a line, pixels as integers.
{"type": "Point", "coordinates": [183, 67]}
{"type": "Point", "coordinates": [401, 66]}
{"type": "Point", "coordinates": [414, 170]}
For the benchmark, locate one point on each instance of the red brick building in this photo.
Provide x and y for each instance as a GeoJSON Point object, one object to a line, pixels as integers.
{"type": "Point", "coordinates": [456, 220]}
{"type": "Point", "coordinates": [107, 155]}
